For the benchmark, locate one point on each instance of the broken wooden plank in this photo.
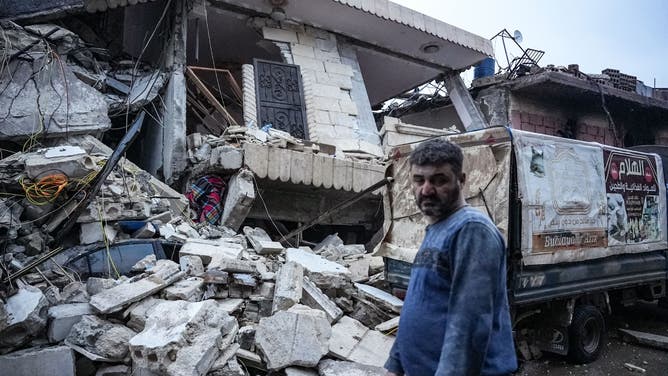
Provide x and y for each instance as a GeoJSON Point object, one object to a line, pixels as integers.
{"type": "Point", "coordinates": [236, 89]}
{"type": "Point", "coordinates": [209, 96]}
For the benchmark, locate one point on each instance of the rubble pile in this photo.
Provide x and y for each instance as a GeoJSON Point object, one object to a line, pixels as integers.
{"type": "Point", "coordinates": [218, 302]}
{"type": "Point", "coordinates": [107, 270]}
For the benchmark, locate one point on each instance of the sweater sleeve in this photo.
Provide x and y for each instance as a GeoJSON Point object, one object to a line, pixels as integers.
{"type": "Point", "coordinates": [477, 261]}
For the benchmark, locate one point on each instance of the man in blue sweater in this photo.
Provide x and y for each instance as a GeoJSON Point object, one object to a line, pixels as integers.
{"type": "Point", "coordinates": [455, 319]}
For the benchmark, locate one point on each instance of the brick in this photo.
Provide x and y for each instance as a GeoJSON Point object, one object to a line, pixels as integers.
{"type": "Point", "coordinates": [331, 56]}
{"type": "Point", "coordinates": [322, 117]}
{"type": "Point", "coordinates": [338, 68]}
{"type": "Point", "coordinates": [302, 50]}
{"type": "Point", "coordinates": [326, 44]}
{"type": "Point", "coordinates": [326, 103]}
{"type": "Point", "coordinates": [341, 80]}
{"type": "Point", "coordinates": [306, 39]}
{"type": "Point", "coordinates": [308, 63]}
{"type": "Point", "coordinates": [344, 132]}
{"type": "Point", "coordinates": [325, 131]}
{"type": "Point", "coordinates": [330, 91]}
{"type": "Point", "coordinates": [536, 119]}
{"type": "Point", "coordinates": [515, 118]}
{"type": "Point", "coordinates": [279, 35]}
{"type": "Point", "coordinates": [343, 119]}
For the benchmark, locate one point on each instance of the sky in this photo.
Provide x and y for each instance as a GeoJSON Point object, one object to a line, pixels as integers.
{"type": "Point", "coordinates": [628, 35]}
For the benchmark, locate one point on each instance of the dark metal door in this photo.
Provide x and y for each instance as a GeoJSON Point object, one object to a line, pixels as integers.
{"type": "Point", "coordinates": [280, 99]}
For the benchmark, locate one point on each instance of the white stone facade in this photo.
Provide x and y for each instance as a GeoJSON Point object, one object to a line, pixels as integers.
{"type": "Point", "coordinates": [338, 111]}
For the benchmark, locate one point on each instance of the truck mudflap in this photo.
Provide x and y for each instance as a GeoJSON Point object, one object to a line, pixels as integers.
{"type": "Point", "coordinates": [533, 284]}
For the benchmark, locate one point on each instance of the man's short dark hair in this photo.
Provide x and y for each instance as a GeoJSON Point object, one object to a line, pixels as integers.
{"type": "Point", "coordinates": [436, 152]}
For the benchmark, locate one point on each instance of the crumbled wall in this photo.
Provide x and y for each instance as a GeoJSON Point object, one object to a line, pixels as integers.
{"type": "Point", "coordinates": [337, 104]}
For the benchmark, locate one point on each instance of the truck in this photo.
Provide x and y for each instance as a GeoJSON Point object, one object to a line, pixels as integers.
{"type": "Point", "coordinates": [584, 226]}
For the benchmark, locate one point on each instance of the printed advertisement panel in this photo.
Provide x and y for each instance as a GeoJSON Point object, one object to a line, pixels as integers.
{"type": "Point", "coordinates": [632, 198]}
{"type": "Point", "coordinates": [564, 195]}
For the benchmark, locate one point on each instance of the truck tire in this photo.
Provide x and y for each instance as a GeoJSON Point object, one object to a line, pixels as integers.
{"type": "Point", "coordinates": [587, 334]}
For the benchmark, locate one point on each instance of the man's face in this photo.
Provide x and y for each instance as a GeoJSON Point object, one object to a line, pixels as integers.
{"type": "Point", "coordinates": [437, 189]}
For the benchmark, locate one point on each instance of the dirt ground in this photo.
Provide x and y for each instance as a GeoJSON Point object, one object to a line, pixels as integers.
{"type": "Point", "coordinates": [644, 317]}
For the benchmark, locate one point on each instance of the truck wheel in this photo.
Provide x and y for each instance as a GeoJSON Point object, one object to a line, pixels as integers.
{"type": "Point", "coordinates": [587, 334]}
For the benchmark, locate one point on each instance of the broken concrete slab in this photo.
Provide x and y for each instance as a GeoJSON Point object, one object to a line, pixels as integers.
{"type": "Point", "coordinates": [75, 292]}
{"type": "Point", "coordinates": [95, 232]}
{"type": "Point", "coordinates": [191, 265]}
{"type": "Point", "coordinates": [117, 370]}
{"type": "Point", "coordinates": [261, 242]}
{"type": "Point", "coordinates": [230, 305]}
{"type": "Point", "coordinates": [330, 367]}
{"type": "Point", "coordinates": [222, 367]}
{"type": "Point", "coordinates": [239, 199]}
{"type": "Point", "coordinates": [99, 340]}
{"type": "Point", "coordinates": [381, 297]}
{"type": "Point", "coordinates": [49, 361]}
{"type": "Point", "coordinates": [353, 341]}
{"type": "Point", "coordinates": [189, 289]}
{"type": "Point", "coordinates": [288, 288]}
{"type": "Point", "coordinates": [72, 161]}
{"type": "Point", "coordinates": [144, 264]}
{"type": "Point", "coordinates": [313, 297]}
{"type": "Point", "coordinates": [388, 326]}
{"type": "Point", "coordinates": [146, 232]}
{"type": "Point", "coordinates": [114, 299]}
{"type": "Point", "coordinates": [63, 317]}
{"type": "Point", "coordinates": [27, 312]}
{"type": "Point", "coordinates": [298, 371]}
{"type": "Point", "coordinates": [359, 269]}
{"type": "Point", "coordinates": [181, 338]}
{"type": "Point", "coordinates": [296, 337]}
{"type": "Point", "coordinates": [324, 273]}
{"type": "Point", "coordinates": [246, 337]}
{"type": "Point", "coordinates": [210, 249]}
{"type": "Point", "coordinates": [140, 311]}
{"type": "Point", "coordinates": [96, 285]}
{"type": "Point", "coordinates": [231, 265]}
{"type": "Point", "coordinates": [647, 339]}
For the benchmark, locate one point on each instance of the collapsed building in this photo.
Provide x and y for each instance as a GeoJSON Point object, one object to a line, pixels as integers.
{"type": "Point", "coordinates": [195, 187]}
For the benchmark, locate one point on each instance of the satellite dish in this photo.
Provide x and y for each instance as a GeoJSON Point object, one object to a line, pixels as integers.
{"type": "Point", "coordinates": [517, 35]}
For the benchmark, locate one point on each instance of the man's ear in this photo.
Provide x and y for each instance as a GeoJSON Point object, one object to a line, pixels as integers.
{"type": "Point", "coordinates": [462, 178]}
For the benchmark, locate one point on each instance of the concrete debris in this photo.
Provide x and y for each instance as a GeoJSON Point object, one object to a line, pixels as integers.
{"type": "Point", "coordinates": [62, 88]}
{"type": "Point", "coordinates": [181, 338]}
{"type": "Point", "coordinates": [261, 242]}
{"type": "Point", "coordinates": [75, 292]}
{"type": "Point", "coordinates": [381, 297]}
{"type": "Point", "coordinates": [324, 273]}
{"type": "Point", "coordinates": [99, 340]}
{"type": "Point", "coordinates": [144, 264]}
{"type": "Point", "coordinates": [96, 285]}
{"type": "Point", "coordinates": [114, 299]}
{"type": "Point", "coordinates": [189, 289]}
{"type": "Point", "coordinates": [63, 317]}
{"type": "Point", "coordinates": [329, 367]}
{"type": "Point", "coordinates": [191, 265]}
{"type": "Point", "coordinates": [27, 312]}
{"type": "Point", "coordinates": [647, 339]}
{"type": "Point", "coordinates": [353, 341]}
{"type": "Point", "coordinates": [298, 371]}
{"type": "Point", "coordinates": [117, 370]}
{"type": "Point", "coordinates": [288, 288]}
{"type": "Point", "coordinates": [239, 199]}
{"type": "Point", "coordinates": [296, 337]}
{"type": "Point", "coordinates": [209, 250]}
{"type": "Point", "coordinates": [314, 297]}
{"type": "Point", "coordinates": [49, 361]}
{"type": "Point", "coordinates": [388, 326]}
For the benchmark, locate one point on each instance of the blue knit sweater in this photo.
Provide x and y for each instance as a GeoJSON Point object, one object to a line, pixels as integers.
{"type": "Point", "coordinates": [455, 319]}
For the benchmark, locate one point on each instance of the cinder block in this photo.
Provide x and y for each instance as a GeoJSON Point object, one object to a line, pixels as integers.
{"type": "Point", "coordinates": [308, 63]}
{"type": "Point", "coordinates": [323, 117]}
{"type": "Point", "coordinates": [325, 103]}
{"type": "Point", "coordinates": [279, 35]}
{"type": "Point", "coordinates": [348, 107]}
{"type": "Point", "coordinates": [50, 361]}
{"type": "Point", "coordinates": [302, 50]}
{"type": "Point", "coordinates": [338, 68]}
